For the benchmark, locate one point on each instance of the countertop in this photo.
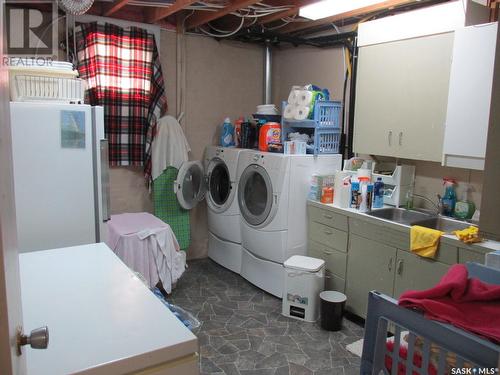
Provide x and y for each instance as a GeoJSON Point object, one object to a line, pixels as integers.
{"type": "Point", "coordinates": [102, 319]}
{"type": "Point", "coordinates": [486, 246]}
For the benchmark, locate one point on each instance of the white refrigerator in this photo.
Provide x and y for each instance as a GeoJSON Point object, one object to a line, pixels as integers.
{"type": "Point", "coordinates": [61, 180]}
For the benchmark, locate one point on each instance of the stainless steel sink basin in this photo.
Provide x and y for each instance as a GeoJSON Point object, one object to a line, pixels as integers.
{"type": "Point", "coordinates": [442, 224]}
{"type": "Point", "coordinates": [399, 215]}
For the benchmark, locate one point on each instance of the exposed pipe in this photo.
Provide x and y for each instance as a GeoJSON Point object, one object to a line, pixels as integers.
{"type": "Point", "coordinates": [267, 73]}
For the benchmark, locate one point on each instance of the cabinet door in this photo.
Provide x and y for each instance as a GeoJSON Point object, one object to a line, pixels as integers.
{"type": "Point", "coordinates": [416, 273]}
{"type": "Point", "coordinates": [370, 266]}
{"type": "Point", "coordinates": [469, 97]}
{"type": "Point", "coordinates": [401, 97]}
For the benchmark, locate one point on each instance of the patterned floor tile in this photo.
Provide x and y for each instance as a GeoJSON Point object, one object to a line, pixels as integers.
{"type": "Point", "coordinates": [244, 333]}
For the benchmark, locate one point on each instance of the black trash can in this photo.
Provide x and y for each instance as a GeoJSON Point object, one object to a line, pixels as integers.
{"type": "Point", "coordinates": [332, 309]}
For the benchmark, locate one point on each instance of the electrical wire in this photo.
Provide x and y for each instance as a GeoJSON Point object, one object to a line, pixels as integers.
{"type": "Point", "coordinates": [223, 35]}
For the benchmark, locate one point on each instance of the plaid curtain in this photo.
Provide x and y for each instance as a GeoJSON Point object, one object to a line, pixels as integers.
{"type": "Point", "coordinates": [123, 72]}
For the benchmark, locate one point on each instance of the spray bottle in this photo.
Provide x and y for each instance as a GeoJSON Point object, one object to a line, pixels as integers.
{"type": "Point", "coordinates": [450, 196]}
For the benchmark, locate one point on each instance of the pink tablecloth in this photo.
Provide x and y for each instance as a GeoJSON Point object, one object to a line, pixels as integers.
{"type": "Point", "coordinates": [147, 245]}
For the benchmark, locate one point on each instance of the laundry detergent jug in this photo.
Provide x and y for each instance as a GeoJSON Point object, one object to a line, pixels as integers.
{"type": "Point", "coordinates": [270, 137]}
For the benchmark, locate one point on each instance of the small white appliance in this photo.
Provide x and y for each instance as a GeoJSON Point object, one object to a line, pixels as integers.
{"type": "Point", "coordinates": [304, 281]}
{"type": "Point", "coordinates": [61, 182]}
{"type": "Point", "coordinates": [216, 181]}
{"type": "Point", "coordinates": [272, 195]}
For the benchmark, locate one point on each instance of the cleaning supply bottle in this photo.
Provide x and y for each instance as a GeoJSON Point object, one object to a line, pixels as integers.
{"type": "Point", "coordinates": [364, 199]}
{"type": "Point", "coordinates": [378, 193]}
{"type": "Point", "coordinates": [227, 134]}
{"type": "Point", "coordinates": [237, 131]}
{"type": "Point", "coordinates": [450, 196]}
{"type": "Point", "coordinates": [355, 194]}
{"type": "Point", "coordinates": [464, 208]}
{"type": "Point", "coordinates": [345, 193]}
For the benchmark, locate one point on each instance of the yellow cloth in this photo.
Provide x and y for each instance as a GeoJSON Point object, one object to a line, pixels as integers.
{"type": "Point", "coordinates": [468, 235]}
{"type": "Point", "coordinates": [424, 241]}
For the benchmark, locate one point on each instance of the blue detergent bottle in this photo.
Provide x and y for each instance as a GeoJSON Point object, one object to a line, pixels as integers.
{"type": "Point", "coordinates": [227, 134]}
{"type": "Point", "coordinates": [450, 196]}
{"type": "Point", "coordinates": [378, 193]}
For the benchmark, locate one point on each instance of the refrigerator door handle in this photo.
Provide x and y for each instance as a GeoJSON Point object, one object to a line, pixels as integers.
{"type": "Point", "coordinates": [105, 179]}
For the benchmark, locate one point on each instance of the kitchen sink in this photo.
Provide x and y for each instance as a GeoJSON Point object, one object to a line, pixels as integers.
{"type": "Point", "coordinates": [399, 215]}
{"type": "Point", "coordinates": [442, 224]}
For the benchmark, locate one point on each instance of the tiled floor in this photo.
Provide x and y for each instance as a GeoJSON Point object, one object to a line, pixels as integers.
{"type": "Point", "coordinates": [243, 331]}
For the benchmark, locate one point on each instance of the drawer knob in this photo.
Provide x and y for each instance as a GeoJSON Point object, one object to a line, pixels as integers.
{"type": "Point", "coordinates": [327, 252]}
{"type": "Point", "coordinates": [326, 231]}
{"type": "Point", "coordinates": [326, 216]}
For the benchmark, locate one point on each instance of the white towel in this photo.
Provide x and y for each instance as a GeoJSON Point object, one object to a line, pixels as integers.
{"type": "Point", "coordinates": [170, 146]}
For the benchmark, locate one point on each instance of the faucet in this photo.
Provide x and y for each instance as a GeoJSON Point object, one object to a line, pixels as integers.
{"type": "Point", "coordinates": [438, 207]}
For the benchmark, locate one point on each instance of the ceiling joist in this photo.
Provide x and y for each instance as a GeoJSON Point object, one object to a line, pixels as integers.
{"type": "Point", "coordinates": [157, 14]}
{"type": "Point", "coordinates": [114, 7]}
{"type": "Point", "coordinates": [279, 15]}
{"type": "Point", "coordinates": [298, 26]}
{"type": "Point", "coordinates": [201, 17]}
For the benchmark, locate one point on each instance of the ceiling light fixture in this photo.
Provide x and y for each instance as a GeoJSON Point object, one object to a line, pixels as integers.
{"type": "Point", "coordinates": [328, 8]}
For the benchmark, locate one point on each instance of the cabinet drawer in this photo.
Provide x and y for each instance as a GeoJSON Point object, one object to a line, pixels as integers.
{"type": "Point", "coordinates": [327, 217]}
{"type": "Point", "coordinates": [334, 283]}
{"type": "Point", "coordinates": [328, 236]}
{"type": "Point", "coordinates": [467, 255]}
{"type": "Point", "coordinates": [335, 260]}
{"type": "Point", "coordinates": [380, 233]}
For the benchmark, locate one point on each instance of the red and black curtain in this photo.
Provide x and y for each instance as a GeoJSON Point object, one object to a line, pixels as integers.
{"type": "Point", "coordinates": [123, 72]}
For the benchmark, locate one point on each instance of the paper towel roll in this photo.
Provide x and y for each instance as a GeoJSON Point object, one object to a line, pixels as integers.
{"type": "Point", "coordinates": [305, 98]}
{"type": "Point", "coordinates": [294, 96]}
{"type": "Point", "coordinates": [290, 111]}
{"type": "Point", "coordinates": [301, 113]}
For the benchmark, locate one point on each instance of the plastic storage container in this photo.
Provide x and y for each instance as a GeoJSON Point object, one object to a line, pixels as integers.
{"type": "Point", "coordinates": [324, 128]}
{"type": "Point", "coordinates": [304, 281]}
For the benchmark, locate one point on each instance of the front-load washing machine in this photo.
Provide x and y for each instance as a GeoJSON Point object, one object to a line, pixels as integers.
{"type": "Point", "coordinates": [272, 197]}
{"type": "Point", "coordinates": [215, 180]}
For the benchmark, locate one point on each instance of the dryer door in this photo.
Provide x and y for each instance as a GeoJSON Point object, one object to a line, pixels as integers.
{"type": "Point", "coordinates": [219, 184]}
{"type": "Point", "coordinates": [255, 194]}
{"type": "Point", "coordinates": [190, 186]}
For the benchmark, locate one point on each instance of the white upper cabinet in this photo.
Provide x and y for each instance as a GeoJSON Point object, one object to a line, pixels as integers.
{"type": "Point", "coordinates": [469, 96]}
{"type": "Point", "coordinates": [401, 97]}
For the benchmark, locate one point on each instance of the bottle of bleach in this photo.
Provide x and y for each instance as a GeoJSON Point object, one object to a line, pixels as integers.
{"type": "Point", "coordinates": [227, 134]}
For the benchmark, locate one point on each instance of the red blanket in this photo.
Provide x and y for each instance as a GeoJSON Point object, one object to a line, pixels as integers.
{"type": "Point", "coordinates": [466, 303]}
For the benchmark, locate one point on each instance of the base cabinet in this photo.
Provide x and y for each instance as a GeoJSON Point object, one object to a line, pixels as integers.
{"type": "Point", "coordinates": [413, 272]}
{"type": "Point", "coordinates": [370, 266]}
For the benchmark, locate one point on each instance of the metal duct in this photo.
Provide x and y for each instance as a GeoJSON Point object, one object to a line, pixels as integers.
{"type": "Point", "coordinates": [267, 74]}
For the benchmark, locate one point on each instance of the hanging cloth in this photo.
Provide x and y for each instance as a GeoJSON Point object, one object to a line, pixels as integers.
{"type": "Point", "coordinates": [170, 146]}
{"type": "Point", "coordinates": [168, 209]}
{"type": "Point", "coordinates": [123, 72]}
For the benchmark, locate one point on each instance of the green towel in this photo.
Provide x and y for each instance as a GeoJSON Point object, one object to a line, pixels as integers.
{"type": "Point", "coordinates": [168, 209]}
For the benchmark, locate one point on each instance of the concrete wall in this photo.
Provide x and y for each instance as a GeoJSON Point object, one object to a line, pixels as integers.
{"type": "Point", "coordinates": [222, 79]}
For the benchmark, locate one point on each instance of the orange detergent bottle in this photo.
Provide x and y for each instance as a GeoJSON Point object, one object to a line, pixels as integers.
{"type": "Point", "coordinates": [269, 134]}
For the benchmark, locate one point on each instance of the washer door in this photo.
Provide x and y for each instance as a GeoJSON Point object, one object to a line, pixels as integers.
{"type": "Point", "coordinates": [219, 183]}
{"type": "Point", "coordinates": [190, 186]}
{"type": "Point", "coordinates": [255, 194]}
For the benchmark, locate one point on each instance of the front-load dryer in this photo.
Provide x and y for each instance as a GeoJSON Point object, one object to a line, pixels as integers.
{"type": "Point", "coordinates": [215, 180]}
{"type": "Point", "coordinates": [272, 195]}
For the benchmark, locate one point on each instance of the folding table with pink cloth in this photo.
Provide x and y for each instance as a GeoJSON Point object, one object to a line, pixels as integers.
{"type": "Point", "coordinates": [148, 246]}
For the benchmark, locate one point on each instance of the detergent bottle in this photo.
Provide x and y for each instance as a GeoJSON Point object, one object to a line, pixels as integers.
{"type": "Point", "coordinates": [227, 134]}
{"type": "Point", "coordinates": [450, 196]}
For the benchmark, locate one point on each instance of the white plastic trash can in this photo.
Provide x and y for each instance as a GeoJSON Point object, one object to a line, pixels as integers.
{"type": "Point", "coordinates": [304, 281]}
